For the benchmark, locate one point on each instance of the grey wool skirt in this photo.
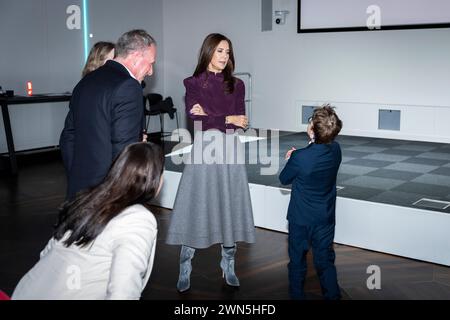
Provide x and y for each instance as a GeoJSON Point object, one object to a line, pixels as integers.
{"type": "Point", "coordinates": [213, 203]}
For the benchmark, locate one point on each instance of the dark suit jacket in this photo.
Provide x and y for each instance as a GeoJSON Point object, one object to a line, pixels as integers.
{"type": "Point", "coordinates": [106, 114]}
{"type": "Point", "coordinates": [312, 172]}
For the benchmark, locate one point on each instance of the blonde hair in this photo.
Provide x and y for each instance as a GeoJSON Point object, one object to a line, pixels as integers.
{"type": "Point", "coordinates": [97, 56]}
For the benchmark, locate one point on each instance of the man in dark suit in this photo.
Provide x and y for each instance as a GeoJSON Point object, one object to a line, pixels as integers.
{"type": "Point", "coordinates": [106, 112]}
{"type": "Point", "coordinates": [311, 214]}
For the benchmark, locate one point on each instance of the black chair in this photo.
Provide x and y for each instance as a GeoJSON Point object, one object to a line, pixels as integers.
{"type": "Point", "coordinates": [158, 107]}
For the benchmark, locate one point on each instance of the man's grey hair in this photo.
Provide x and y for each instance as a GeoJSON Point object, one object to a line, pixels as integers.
{"type": "Point", "coordinates": [134, 40]}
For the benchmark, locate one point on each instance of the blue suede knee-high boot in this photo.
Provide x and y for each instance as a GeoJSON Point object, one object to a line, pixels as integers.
{"type": "Point", "coordinates": [184, 279]}
{"type": "Point", "coordinates": [227, 265]}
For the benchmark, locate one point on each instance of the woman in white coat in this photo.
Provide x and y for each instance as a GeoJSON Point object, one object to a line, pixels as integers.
{"type": "Point", "coordinates": [103, 246]}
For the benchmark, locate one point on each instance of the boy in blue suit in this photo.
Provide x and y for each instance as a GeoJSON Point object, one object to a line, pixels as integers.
{"type": "Point", "coordinates": [311, 214]}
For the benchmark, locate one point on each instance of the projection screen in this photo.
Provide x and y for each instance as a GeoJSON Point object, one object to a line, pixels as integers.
{"type": "Point", "coordinates": [371, 15]}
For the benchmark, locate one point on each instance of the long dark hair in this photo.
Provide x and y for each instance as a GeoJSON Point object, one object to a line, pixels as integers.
{"type": "Point", "coordinates": [133, 178]}
{"type": "Point", "coordinates": [205, 56]}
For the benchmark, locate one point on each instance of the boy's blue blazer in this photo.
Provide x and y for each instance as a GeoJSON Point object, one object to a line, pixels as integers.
{"type": "Point", "coordinates": [312, 172]}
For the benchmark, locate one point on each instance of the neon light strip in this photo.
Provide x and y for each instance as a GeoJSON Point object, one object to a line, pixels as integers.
{"type": "Point", "coordinates": [85, 29]}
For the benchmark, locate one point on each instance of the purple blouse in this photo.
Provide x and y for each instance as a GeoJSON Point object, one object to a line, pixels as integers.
{"type": "Point", "coordinates": [208, 91]}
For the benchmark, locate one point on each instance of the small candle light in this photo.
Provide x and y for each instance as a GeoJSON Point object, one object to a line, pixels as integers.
{"type": "Point", "coordinates": [29, 88]}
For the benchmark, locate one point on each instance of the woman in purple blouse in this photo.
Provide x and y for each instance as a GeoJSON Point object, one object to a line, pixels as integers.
{"type": "Point", "coordinates": [213, 204]}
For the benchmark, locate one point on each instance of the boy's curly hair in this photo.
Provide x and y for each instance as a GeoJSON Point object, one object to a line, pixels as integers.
{"type": "Point", "coordinates": [325, 124]}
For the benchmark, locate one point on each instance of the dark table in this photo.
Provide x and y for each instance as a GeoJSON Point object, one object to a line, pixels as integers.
{"type": "Point", "coordinates": [7, 101]}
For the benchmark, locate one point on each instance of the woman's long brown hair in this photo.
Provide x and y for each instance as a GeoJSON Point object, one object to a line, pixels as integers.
{"type": "Point", "coordinates": [206, 53]}
{"type": "Point", "coordinates": [133, 178]}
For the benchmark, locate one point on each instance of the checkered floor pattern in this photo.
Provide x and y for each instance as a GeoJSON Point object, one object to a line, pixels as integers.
{"type": "Point", "coordinates": [389, 171]}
